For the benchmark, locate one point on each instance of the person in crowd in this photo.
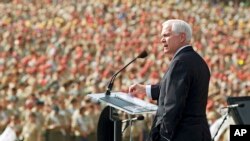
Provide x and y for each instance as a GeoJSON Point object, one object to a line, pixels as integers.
{"type": "Point", "coordinates": [54, 125]}
{"type": "Point", "coordinates": [3, 118]}
{"type": "Point", "coordinates": [31, 129]}
{"type": "Point", "coordinates": [81, 124]}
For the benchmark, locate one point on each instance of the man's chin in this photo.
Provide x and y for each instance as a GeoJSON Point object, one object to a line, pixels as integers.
{"type": "Point", "coordinates": [166, 51]}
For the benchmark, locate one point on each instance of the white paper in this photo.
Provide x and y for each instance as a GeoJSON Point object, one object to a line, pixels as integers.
{"type": "Point", "coordinates": [8, 135]}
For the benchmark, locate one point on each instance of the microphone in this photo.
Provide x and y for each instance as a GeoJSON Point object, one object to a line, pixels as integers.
{"type": "Point", "coordinates": [111, 82]}
{"type": "Point", "coordinates": [134, 119]}
{"type": "Point", "coordinates": [234, 106]}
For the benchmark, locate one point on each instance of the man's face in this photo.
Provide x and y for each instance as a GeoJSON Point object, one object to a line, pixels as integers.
{"type": "Point", "coordinates": [171, 41]}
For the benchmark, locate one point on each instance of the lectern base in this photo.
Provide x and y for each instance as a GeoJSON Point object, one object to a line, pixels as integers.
{"type": "Point", "coordinates": [107, 128]}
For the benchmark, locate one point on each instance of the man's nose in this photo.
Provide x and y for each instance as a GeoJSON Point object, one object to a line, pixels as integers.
{"type": "Point", "coordinates": [163, 40]}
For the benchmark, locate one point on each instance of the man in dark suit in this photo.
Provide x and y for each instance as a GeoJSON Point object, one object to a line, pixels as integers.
{"type": "Point", "coordinates": [182, 93]}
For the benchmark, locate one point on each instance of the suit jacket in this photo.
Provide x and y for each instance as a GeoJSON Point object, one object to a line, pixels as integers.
{"type": "Point", "coordinates": [182, 98]}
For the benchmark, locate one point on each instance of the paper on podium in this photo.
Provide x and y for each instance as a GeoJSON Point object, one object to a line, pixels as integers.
{"type": "Point", "coordinates": [125, 102]}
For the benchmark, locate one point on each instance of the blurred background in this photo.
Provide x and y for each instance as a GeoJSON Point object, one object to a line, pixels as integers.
{"type": "Point", "coordinates": [55, 52]}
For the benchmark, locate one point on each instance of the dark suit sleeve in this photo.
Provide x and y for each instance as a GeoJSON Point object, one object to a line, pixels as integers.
{"type": "Point", "coordinates": [155, 91]}
{"type": "Point", "coordinates": [176, 90]}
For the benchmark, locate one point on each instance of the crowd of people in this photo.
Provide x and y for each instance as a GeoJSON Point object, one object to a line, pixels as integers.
{"type": "Point", "coordinates": [54, 53]}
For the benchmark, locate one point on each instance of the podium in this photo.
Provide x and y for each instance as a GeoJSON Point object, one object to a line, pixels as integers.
{"type": "Point", "coordinates": [109, 125]}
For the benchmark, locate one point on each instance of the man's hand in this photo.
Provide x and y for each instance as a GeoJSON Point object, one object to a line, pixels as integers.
{"type": "Point", "coordinates": [137, 89]}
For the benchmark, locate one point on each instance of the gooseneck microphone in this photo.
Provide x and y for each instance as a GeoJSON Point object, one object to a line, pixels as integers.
{"type": "Point", "coordinates": [131, 120]}
{"type": "Point", "coordinates": [111, 82]}
{"type": "Point", "coordinates": [234, 106]}
{"type": "Point", "coordinates": [229, 108]}
{"type": "Point", "coordinates": [134, 119]}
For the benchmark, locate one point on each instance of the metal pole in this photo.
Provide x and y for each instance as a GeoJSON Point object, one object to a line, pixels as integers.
{"type": "Point", "coordinates": [130, 124]}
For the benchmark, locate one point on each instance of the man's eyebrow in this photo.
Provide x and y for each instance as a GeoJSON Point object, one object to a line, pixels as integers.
{"type": "Point", "coordinates": [165, 34]}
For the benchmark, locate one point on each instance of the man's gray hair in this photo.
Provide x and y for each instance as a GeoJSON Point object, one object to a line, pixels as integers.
{"type": "Point", "coordinates": [179, 26]}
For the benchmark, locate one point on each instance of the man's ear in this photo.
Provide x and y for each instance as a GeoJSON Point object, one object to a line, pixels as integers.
{"type": "Point", "coordinates": [183, 37]}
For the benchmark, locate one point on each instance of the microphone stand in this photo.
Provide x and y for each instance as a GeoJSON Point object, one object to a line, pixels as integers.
{"type": "Point", "coordinates": [111, 82]}
{"type": "Point", "coordinates": [130, 128]}
{"type": "Point", "coordinates": [224, 119]}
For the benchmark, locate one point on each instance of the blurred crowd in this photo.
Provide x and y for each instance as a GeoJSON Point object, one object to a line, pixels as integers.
{"type": "Point", "coordinates": [55, 52]}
